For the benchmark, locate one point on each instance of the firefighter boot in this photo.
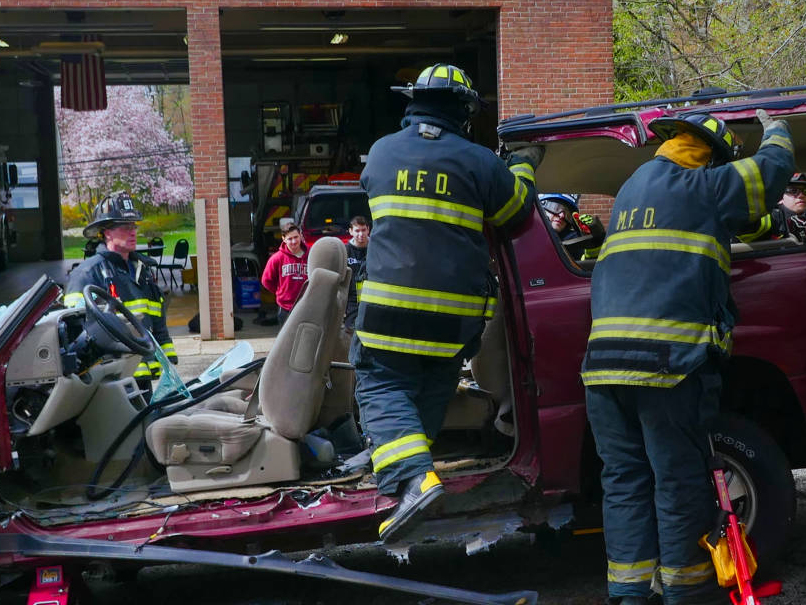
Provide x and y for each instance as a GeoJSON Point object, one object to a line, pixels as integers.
{"type": "Point", "coordinates": [415, 495]}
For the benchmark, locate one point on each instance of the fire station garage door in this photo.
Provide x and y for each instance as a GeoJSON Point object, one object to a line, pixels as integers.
{"type": "Point", "coordinates": [311, 87]}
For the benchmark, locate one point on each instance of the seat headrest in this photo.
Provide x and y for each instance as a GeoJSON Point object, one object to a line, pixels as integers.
{"type": "Point", "coordinates": [328, 253]}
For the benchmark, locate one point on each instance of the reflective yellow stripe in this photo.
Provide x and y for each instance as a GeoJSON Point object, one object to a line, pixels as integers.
{"type": "Point", "coordinates": [687, 576]}
{"type": "Point", "coordinates": [765, 224]}
{"type": "Point", "coordinates": [399, 449]}
{"type": "Point", "coordinates": [359, 285]}
{"type": "Point", "coordinates": [631, 377]}
{"type": "Point", "coordinates": [406, 345]}
{"type": "Point", "coordinates": [168, 347]}
{"type": "Point", "coordinates": [779, 140]}
{"type": "Point", "coordinates": [591, 253]}
{"type": "Point", "coordinates": [425, 300]}
{"type": "Point", "coordinates": [74, 299]}
{"type": "Point", "coordinates": [630, 573]}
{"type": "Point", "coordinates": [142, 370]}
{"type": "Point", "coordinates": [427, 209]}
{"type": "Point", "coordinates": [652, 329]}
{"type": "Point", "coordinates": [667, 239]}
{"type": "Point", "coordinates": [524, 171]}
{"type": "Point", "coordinates": [144, 306]}
{"type": "Point", "coordinates": [512, 206]}
{"type": "Point", "coordinates": [753, 186]}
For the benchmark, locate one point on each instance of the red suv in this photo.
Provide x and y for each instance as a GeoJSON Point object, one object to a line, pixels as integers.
{"type": "Point", "coordinates": [328, 209]}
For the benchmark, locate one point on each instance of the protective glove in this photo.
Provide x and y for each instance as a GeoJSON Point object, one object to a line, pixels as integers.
{"type": "Point", "coordinates": [770, 125]}
{"type": "Point", "coordinates": [532, 154]}
{"type": "Point", "coordinates": [589, 225]}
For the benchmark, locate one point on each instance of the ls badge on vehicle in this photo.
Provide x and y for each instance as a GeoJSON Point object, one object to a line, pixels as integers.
{"type": "Point", "coordinates": [537, 281]}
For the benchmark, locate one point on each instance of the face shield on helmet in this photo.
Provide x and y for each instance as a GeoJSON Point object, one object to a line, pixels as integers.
{"type": "Point", "coordinates": [115, 209]}
{"type": "Point", "coordinates": [559, 202]}
{"type": "Point", "coordinates": [724, 143]}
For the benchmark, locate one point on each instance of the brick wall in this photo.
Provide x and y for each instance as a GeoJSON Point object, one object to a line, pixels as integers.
{"type": "Point", "coordinates": [552, 55]}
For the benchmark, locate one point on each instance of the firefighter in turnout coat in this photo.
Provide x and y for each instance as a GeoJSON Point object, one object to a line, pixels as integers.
{"type": "Point", "coordinates": [662, 319]}
{"type": "Point", "coordinates": [427, 290]}
{"type": "Point", "coordinates": [126, 274]}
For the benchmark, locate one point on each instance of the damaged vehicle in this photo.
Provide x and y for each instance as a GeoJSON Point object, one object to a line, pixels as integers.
{"type": "Point", "coordinates": [258, 456]}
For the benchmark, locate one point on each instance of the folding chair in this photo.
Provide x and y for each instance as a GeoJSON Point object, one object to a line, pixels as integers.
{"type": "Point", "coordinates": [155, 249]}
{"type": "Point", "coordinates": [181, 249]}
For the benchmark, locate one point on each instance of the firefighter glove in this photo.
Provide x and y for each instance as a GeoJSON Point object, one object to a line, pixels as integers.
{"type": "Point", "coordinates": [533, 154]}
{"type": "Point", "coordinates": [589, 225]}
{"type": "Point", "coordinates": [780, 126]}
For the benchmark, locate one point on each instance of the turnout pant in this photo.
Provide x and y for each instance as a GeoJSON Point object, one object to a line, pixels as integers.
{"type": "Point", "coordinates": [402, 400]}
{"type": "Point", "coordinates": [658, 497]}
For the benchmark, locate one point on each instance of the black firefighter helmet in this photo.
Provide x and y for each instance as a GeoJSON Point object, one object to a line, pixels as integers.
{"type": "Point", "coordinates": [442, 78]}
{"type": "Point", "coordinates": [724, 143]}
{"type": "Point", "coordinates": [115, 209]}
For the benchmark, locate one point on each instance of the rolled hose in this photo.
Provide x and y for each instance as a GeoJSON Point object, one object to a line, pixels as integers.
{"type": "Point", "coordinates": [160, 411]}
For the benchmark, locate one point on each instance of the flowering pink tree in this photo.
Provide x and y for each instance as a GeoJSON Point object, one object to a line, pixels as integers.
{"type": "Point", "coordinates": [125, 146]}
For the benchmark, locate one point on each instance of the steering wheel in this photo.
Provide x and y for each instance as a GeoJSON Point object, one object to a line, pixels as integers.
{"type": "Point", "coordinates": [139, 343]}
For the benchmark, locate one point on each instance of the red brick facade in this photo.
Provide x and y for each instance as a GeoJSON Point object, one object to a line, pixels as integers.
{"type": "Point", "coordinates": [552, 55]}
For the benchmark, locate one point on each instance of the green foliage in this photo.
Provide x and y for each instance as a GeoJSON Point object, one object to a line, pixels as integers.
{"type": "Point", "coordinates": [74, 245]}
{"type": "Point", "coordinates": [673, 47]}
{"type": "Point", "coordinates": [154, 225]}
{"type": "Point", "coordinates": [72, 217]}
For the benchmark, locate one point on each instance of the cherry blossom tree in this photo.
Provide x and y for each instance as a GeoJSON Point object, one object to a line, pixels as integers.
{"type": "Point", "coordinates": [125, 146]}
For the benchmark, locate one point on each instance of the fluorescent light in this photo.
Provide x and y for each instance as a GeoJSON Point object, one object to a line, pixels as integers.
{"type": "Point", "coordinates": [302, 60]}
{"type": "Point", "coordinates": [351, 27]}
{"type": "Point", "coordinates": [69, 48]}
{"type": "Point", "coordinates": [3, 44]}
{"type": "Point", "coordinates": [339, 38]}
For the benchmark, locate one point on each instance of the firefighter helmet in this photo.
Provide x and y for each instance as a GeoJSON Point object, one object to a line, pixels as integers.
{"type": "Point", "coordinates": [799, 178]}
{"type": "Point", "coordinates": [441, 78]}
{"type": "Point", "coordinates": [724, 143]}
{"type": "Point", "coordinates": [554, 202]}
{"type": "Point", "coordinates": [115, 209]}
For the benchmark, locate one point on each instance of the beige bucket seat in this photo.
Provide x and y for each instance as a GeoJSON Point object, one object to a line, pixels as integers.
{"type": "Point", "coordinates": [210, 449]}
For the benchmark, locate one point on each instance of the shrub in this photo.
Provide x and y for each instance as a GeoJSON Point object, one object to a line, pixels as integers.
{"type": "Point", "coordinates": [158, 224]}
{"type": "Point", "coordinates": [72, 217]}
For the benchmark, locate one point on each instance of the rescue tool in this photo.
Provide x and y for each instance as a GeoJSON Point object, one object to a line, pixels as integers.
{"type": "Point", "coordinates": [741, 566]}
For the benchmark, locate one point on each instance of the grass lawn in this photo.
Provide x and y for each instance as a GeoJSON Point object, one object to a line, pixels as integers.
{"type": "Point", "coordinates": [74, 246]}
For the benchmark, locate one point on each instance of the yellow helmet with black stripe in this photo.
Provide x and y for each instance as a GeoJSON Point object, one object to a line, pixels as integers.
{"type": "Point", "coordinates": [441, 78]}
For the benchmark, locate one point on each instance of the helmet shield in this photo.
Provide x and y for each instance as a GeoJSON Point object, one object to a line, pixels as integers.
{"type": "Point", "coordinates": [440, 79]}
{"type": "Point", "coordinates": [115, 209]}
{"type": "Point", "coordinates": [557, 202]}
{"type": "Point", "coordinates": [724, 143]}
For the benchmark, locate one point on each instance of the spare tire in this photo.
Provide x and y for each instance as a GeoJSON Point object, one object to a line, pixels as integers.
{"type": "Point", "coordinates": [760, 482]}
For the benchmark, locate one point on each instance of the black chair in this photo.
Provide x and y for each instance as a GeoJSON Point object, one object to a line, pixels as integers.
{"type": "Point", "coordinates": [178, 262]}
{"type": "Point", "coordinates": [155, 249]}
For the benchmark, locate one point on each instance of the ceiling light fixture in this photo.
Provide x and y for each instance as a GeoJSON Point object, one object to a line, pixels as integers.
{"type": "Point", "coordinates": [301, 59]}
{"type": "Point", "coordinates": [3, 44]}
{"type": "Point", "coordinates": [339, 38]}
{"type": "Point", "coordinates": [69, 48]}
{"type": "Point", "coordinates": [351, 27]}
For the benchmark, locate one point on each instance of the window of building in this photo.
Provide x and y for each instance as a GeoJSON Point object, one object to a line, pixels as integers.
{"type": "Point", "coordinates": [26, 193]}
{"type": "Point", "coordinates": [236, 165]}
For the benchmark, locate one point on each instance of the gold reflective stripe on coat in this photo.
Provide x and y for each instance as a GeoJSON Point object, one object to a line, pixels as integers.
{"type": "Point", "coordinates": [407, 345]}
{"type": "Point", "coordinates": [427, 209]}
{"type": "Point", "coordinates": [421, 299]}
{"type": "Point", "coordinates": [144, 306]}
{"type": "Point", "coordinates": [649, 328]}
{"type": "Point", "coordinates": [779, 140]}
{"type": "Point", "coordinates": [523, 170]}
{"type": "Point", "coordinates": [631, 377]}
{"type": "Point", "coordinates": [753, 187]}
{"type": "Point", "coordinates": [74, 299]}
{"type": "Point", "coordinates": [399, 449]}
{"type": "Point", "coordinates": [686, 576]}
{"type": "Point", "coordinates": [667, 239]}
{"type": "Point", "coordinates": [630, 573]}
{"type": "Point", "coordinates": [513, 205]}
{"type": "Point", "coordinates": [764, 225]}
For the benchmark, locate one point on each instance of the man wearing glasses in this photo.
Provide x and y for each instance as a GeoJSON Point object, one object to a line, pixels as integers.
{"type": "Point", "coordinates": [788, 217]}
